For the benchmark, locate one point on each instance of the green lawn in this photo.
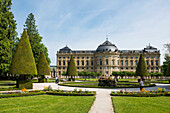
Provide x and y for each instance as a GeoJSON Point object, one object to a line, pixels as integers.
{"type": "Point", "coordinates": [46, 104]}
{"type": "Point", "coordinates": [141, 104]}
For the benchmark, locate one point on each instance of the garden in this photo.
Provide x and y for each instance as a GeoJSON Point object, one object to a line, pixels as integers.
{"type": "Point", "coordinates": [141, 104]}
{"type": "Point", "coordinates": [47, 104]}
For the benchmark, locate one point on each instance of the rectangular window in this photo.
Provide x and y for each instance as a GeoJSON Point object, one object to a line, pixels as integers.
{"type": "Point", "coordinates": [63, 67]}
{"type": "Point", "coordinates": [87, 62]}
{"type": "Point", "coordinates": [131, 62]}
{"type": "Point", "coordinates": [152, 62]}
{"type": "Point", "coordinates": [59, 62]}
{"type": "Point", "coordinates": [82, 62]}
{"type": "Point", "coordinates": [92, 68]}
{"type": "Point", "coordinates": [121, 62]}
{"type": "Point", "coordinates": [131, 57]}
{"type": "Point", "coordinates": [107, 62]}
{"type": "Point", "coordinates": [100, 56]}
{"type": "Point", "coordinates": [59, 57]}
{"type": "Point", "coordinates": [147, 62]}
{"type": "Point", "coordinates": [100, 67]}
{"type": "Point", "coordinates": [118, 62]}
{"type": "Point", "coordinates": [91, 57]}
{"type": "Point", "coordinates": [78, 62]}
{"type": "Point", "coordinates": [107, 72]}
{"type": "Point", "coordinates": [64, 57]}
{"type": "Point", "coordinates": [87, 57]}
{"type": "Point", "coordinates": [121, 57]}
{"type": "Point", "coordinates": [156, 62]}
{"type": "Point", "coordinates": [82, 68]}
{"type": "Point", "coordinates": [126, 57]}
{"type": "Point", "coordinates": [126, 63]}
{"type": "Point", "coordinates": [100, 62]}
{"type": "Point", "coordinates": [136, 62]}
{"type": "Point", "coordinates": [113, 62]}
{"type": "Point", "coordinates": [64, 63]}
{"type": "Point", "coordinates": [136, 57]}
{"type": "Point", "coordinates": [106, 56]}
{"type": "Point", "coordinates": [82, 57]}
{"type": "Point", "coordinates": [78, 57]}
{"type": "Point", "coordinates": [91, 62]}
{"type": "Point", "coordinates": [59, 72]}
{"type": "Point", "coordinates": [113, 56]}
{"type": "Point", "coordinates": [106, 67]}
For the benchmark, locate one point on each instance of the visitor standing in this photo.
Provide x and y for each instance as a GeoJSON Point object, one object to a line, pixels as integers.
{"type": "Point", "coordinates": [56, 78]}
{"type": "Point", "coordinates": [141, 84]}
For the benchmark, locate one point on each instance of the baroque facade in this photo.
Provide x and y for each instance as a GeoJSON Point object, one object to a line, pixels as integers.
{"type": "Point", "coordinates": [108, 58]}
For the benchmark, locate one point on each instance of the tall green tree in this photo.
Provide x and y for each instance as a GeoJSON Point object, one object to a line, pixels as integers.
{"type": "Point", "coordinates": [7, 36]}
{"type": "Point", "coordinates": [168, 70]}
{"type": "Point", "coordinates": [141, 69]}
{"type": "Point", "coordinates": [35, 39]}
{"type": "Point", "coordinates": [167, 59]}
{"type": "Point", "coordinates": [71, 69]}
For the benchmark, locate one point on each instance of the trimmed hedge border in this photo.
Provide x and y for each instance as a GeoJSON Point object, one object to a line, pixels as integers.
{"type": "Point", "coordinates": [140, 95]}
{"type": "Point", "coordinates": [31, 93]}
{"type": "Point", "coordinates": [21, 94]}
{"type": "Point", "coordinates": [71, 94]}
{"type": "Point", "coordinates": [86, 86]}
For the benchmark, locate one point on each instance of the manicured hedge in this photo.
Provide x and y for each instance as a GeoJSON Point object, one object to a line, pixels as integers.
{"type": "Point", "coordinates": [71, 94]}
{"type": "Point", "coordinates": [139, 95]}
{"type": "Point", "coordinates": [95, 86]}
{"type": "Point", "coordinates": [21, 94]}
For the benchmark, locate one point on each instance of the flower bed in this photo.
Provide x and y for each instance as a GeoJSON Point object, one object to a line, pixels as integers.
{"type": "Point", "coordinates": [143, 93]}
{"type": "Point", "coordinates": [47, 90]}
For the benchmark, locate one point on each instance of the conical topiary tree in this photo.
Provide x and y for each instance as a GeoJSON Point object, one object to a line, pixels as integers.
{"type": "Point", "coordinates": [71, 69]}
{"type": "Point", "coordinates": [168, 70]}
{"type": "Point", "coordinates": [23, 62]}
{"type": "Point", "coordinates": [42, 67]}
{"type": "Point", "coordinates": [141, 69]}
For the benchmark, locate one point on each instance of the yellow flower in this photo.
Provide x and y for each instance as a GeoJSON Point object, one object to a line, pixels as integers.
{"type": "Point", "coordinates": [24, 89]}
{"type": "Point", "coordinates": [80, 89]}
{"type": "Point", "coordinates": [45, 87]}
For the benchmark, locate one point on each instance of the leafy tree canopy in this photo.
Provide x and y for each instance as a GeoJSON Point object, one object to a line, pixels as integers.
{"type": "Point", "coordinates": [35, 39]}
{"type": "Point", "coordinates": [7, 36]}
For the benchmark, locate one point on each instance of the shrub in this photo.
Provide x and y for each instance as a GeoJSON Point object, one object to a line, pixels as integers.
{"type": "Point", "coordinates": [23, 62]}
{"type": "Point", "coordinates": [141, 69]}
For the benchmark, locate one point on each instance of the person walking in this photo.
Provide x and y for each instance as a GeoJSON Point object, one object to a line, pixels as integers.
{"type": "Point", "coordinates": [141, 85]}
{"type": "Point", "coordinates": [56, 78]}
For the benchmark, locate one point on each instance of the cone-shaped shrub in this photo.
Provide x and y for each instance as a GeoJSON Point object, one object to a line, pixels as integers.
{"type": "Point", "coordinates": [72, 70]}
{"type": "Point", "coordinates": [141, 69]}
{"type": "Point", "coordinates": [42, 67]}
{"type": "Point", "coordinates": [168, 70]}
{"type": "Point", "coordinates": [23, 62]}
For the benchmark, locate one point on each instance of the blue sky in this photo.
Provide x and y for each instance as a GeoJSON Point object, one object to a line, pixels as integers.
{"type": "Point", "coordinates": [84, 24]}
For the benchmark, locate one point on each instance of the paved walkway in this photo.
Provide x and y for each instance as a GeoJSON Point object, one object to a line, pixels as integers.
{"type": "Point", "coordinates": [102, 103]}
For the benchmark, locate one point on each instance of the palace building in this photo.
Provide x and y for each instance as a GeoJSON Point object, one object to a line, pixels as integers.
{"type": "Point", "coordinates": [108, 58]}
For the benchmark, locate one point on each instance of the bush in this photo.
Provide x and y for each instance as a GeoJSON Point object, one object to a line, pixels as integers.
{"type": "Point", "coordinates": [24, 84]}
{"type": "Point", "coordinates": [42, 80]}
{"type": "Point", "coordinates": [21, 94]}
